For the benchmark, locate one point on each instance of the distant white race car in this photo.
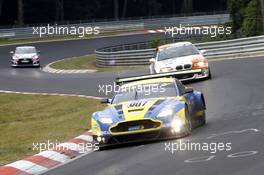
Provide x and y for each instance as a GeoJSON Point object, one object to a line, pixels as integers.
{"type": "Point", "coordinates": [180, 57]}
{"type": "Point", "coordinates": [25, 56]}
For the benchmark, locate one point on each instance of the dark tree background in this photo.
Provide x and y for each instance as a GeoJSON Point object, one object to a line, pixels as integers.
{"type": "Point", "coordinates": [247, 17]}
{"type": "Point", "coordinates": [19, 12]}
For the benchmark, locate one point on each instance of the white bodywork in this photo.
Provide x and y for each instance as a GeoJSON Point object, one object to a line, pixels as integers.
{"type": "Point", "coordinates": [177, 63]}
{"type": "Point", "coordinates": [25, 56]}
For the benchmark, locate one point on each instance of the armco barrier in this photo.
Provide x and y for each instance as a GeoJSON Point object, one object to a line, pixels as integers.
{"type": "Point", "coordinates": [126, 25]}
{"type": "Point", "coordinates": [139, 53]}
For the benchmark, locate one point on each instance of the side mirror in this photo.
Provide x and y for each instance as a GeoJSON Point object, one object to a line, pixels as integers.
{"type": "Point", "coordinates": [188, 90]}
{"type": "Point", "coordinates": [105, 100]}
{"type": "Point", "coordinates": [152, 60]}
{"type": "Point", "coordinates": [12, 52]}
{"type": "Point", "coordinates": [38, 51]}
{"type": "Point", "coordinates": [203, 51]}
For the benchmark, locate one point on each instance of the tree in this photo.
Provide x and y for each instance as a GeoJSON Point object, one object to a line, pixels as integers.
{"type": "Point", "coordinates": [116, 9]}
{"type": "Point", "coordinates": [187, 6]}
{"type": "Point", "coordinates": [252, 24]}
{"type": "Point", "coordinates": [237, 9]}
{"type": "Point", "coordinates": [20, 12]}
{"type": "Point", "coordinates": [124, 9]}
{"type": "Point", "coordinates": [47, 11]}
{"type": "Point", "coordinates": [246, 17]}
{"type": "Point", "coordinates": [262, 12]}
{"type": "Point", "coordinates": [1, 5]}
{"type": "Point", "coordinates": [154, 7]}
{"type": "Point", "coordinates": [173, 6]}
{"type": "Point", "coordinates": [59, 10]}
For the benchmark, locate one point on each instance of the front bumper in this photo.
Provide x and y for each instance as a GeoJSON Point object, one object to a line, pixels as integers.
{"type": "Point", "coordinates": [163, 133]}
{"type": "Point", "coordinates": [28, 63]}
{"type": "Point", "coordinates": [202, 74]}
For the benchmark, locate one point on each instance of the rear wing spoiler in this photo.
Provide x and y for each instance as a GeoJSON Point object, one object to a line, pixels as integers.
{"type": "Point", "coordinates": [176, 74]}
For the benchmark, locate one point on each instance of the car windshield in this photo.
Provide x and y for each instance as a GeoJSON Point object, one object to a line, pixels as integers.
{"type": "Point", "coordinates": [29, 50]}
{"type": "Point", "coordinates": [174, 52]}
{"type": "Point", "coordinates": [145, 91]}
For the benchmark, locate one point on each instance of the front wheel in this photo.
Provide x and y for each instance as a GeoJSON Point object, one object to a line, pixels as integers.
{"type": "Point", "coordinates": [209, 74]}
{"type": "Point", "coordinates": [151, 69]}
{"type": "Point", "coordinates": [188, 123]}
{"type": "Point", "coordinates": [202, 120]}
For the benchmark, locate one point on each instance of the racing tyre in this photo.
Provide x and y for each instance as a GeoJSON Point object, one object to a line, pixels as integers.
{"type": "Point", "coordinates": [210, 75]}
{"type": "Point", "coordinates": [151, 70]}
{"type": "Point", "coordinates": [188, 124]}
{"type": "Point", "coordinates": [203, 120]}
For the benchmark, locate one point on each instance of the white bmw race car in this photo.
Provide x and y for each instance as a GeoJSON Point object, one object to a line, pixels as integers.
{"type": "Point", "coordinates": [180, 56]}
{"type": "Point", "coordinates": [25, 56]}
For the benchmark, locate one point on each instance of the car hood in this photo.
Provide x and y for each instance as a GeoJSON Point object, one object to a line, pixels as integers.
{"type": "Point", "coordinates": [31, 55]}
{"type": "Point", "coordinates": [178, 61]}
{"type": "Point", "coordinates": [139, 109]}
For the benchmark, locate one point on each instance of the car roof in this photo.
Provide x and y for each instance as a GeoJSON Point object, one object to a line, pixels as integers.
{"type": "Point", "coordinates": [25, 47]}
{"type": "Point", "coordinates": [150, 81]}
{"type": "Point", "coordinates": [175, 45]}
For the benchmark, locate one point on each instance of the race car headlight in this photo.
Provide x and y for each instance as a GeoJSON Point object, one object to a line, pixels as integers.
{"type": "Point", "coordinates": [35, 57]}
{"type": "Point", "coordinates": [176, 125]}
{"type": "Point", "coordinates": [166, 69]}
{"type": "Point", "coordinates": [165, 113]}
{"type": "Point", "coordinates": [15, 58]}
{"type": "Point", "coordinates": [106, 120]}
{"type": "Point", "coordinates": [200, 64]}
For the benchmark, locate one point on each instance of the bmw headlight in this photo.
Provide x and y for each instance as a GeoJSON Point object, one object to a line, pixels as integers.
{"type": "Point", "coordinates": [200, 64]}
{"type": "Point", "coordinates": [166, 69]}
{"type": "Point", "coordinates": [166, 113]}
{"type": "Point", "coordinates": [106, 120]}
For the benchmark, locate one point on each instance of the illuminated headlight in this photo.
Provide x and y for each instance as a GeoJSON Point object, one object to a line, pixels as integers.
{"type": "Point", "coordinates": [15, 58]}
{"type": "Point", "coordinates": [106, 120]}
{"type": "Point", "coordinates": [166, 69]}
{"type": "Point", "coordinates": [200, 64]}
{"type": "Point", "coordinates": [99, 139]}
{"type": "Point", "coordinates": [35, 57]}
{"type": "Point", "coordinates": [176, 125]}
{"type": "Point", "coordinates": [166, 113]}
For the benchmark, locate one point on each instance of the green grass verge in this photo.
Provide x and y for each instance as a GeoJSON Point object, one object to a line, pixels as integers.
{"type": "Point", "coordinates": [28, 119]}
{"type": "Point", "coordinates": [88, 62]}
{"type": "Point", "coordinates": [4, 41]}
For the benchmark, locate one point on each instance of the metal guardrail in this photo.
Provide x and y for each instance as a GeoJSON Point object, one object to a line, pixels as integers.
{"type": "Point", "coordinates": [129, 25]}
{"type": "Point", "coordinates": [139, 53]}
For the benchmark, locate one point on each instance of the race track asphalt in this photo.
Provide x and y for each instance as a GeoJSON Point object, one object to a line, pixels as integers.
{"type": "Point", "coordinates": [235, 108]}
{"type": "Point", "coordinates": [234, 113]}
{"type": "Point", "coordinates": [32, 79]}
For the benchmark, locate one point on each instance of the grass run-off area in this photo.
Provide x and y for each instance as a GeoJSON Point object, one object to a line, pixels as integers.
{"type": "Point", "coordinates": [28, 119]}
{"type": "Point", "coordinates": [88, 62]}
{"type": "Point", "coordinates": [4, 41]}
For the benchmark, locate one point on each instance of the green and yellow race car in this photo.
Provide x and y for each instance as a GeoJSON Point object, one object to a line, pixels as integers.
{"type": "Point", "coordinates": [147, 108]}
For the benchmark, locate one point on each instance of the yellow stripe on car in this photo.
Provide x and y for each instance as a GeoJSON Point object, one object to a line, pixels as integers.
{"type": "Point", "coordinates": [139, 108]}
